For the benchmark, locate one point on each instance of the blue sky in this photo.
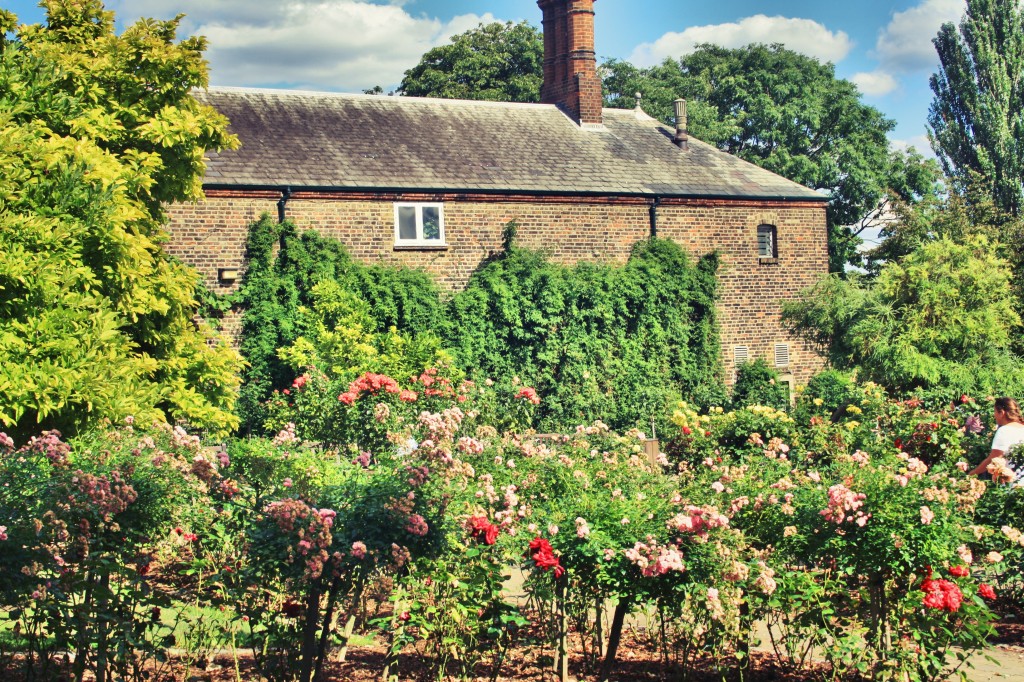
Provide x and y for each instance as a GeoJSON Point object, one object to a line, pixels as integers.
{"type": "Point", "coordinates": [347, 45]}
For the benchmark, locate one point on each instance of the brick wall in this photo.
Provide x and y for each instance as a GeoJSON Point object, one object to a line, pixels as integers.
{"type": "Point", "coordinates": [211, 235]}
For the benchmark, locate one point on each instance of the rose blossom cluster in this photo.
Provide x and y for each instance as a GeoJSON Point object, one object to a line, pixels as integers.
{"type": "Point", "coordinates": [181, 439]}
{"type": "Point", "coordinates": [529, 395]}
{"type": "Point", "coordinates": [369, 383]}
{"type": "Point", "coordinates": [470, 446]}
{"type": "Point", "coordinates": [108, 496]}
{"type": "Point", "coordinates": [1000, 470]}
{"type": "Point", "coordinates": [697, 521]}
{"type": "Point", "coordinates": [416, 525]}
{"type": "Point", "coordinates": [312, 530]}
{"type": "Point", "coordinates": [543, 556]}
{"type": "Point", "coordinates": [442, 426]}
{"type": "Point", "coordinates": [286, 435]}
{"type": "Point", "coordinates": [844, 505]}
{"type": "Point", "coordinates": [941, 594]}
{"type": "Point", "coordinates": [50, 446]}
{"type": "Point", "coordinates": [653, 559]}
{"type": "Point", "coordinates": [482, 529]}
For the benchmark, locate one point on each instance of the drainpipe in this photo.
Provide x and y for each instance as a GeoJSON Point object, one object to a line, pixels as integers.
{"type": "Point", "coordinates": [286, 194]}
{"type": "Point", "coordinates": [654, 215]}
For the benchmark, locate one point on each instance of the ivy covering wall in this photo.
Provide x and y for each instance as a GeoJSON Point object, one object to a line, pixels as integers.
{"type": "Point", "coordinates": [617, 343]}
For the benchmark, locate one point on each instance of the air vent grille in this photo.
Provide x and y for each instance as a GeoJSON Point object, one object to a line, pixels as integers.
{"type": "Point", "coordinates": [782, 355]}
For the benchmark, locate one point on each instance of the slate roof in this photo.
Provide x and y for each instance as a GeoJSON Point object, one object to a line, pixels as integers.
{"type": "Point", "coordinates": [316, 140]}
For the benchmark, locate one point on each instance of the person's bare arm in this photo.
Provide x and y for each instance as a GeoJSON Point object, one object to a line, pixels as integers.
{"type": "Point", "coordinates": [983, 467]}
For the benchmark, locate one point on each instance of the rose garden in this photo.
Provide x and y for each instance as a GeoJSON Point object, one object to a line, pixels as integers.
{"type": "Point", "coordinates": [846, 524]}
{"type": "Point", "coordinates": [545, 475]}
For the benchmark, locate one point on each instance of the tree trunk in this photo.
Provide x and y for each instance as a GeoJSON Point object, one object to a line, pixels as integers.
{"type": "Point", "coordinates": [562, 661]}
{"type": "Point", "coordinates": [309, 630]}
{"type": "Point", "coordinates": [621, 609]}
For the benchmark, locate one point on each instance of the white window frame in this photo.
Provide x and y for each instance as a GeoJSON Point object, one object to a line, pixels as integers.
{"type": "Point", "coordinates": [419, 240]}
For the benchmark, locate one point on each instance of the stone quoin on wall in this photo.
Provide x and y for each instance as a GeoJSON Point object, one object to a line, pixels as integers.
{"type": "Point", "coordinates": [583, 184]}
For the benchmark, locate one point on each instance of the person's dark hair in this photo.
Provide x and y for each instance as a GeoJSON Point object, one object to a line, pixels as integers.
{"type": "Point", "coordinates": [1010, 408]}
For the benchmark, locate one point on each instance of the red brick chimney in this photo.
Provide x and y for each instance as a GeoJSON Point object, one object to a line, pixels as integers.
{"type": "Point", "coordinates": [570, 64]}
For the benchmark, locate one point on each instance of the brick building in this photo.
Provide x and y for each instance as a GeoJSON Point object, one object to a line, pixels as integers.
{"type": "Point", "coordinates": [431, 183]}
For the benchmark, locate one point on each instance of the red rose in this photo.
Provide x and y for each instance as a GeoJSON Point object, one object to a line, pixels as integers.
{"type": "Point", "coordinates": [986, 591]}
{"type": "Point", "coordinates": [942, 594]}
{"type": "Point", "coordinates": [404, 616]}
{"type": "Point", "coordinates": [544, 556]}
{"type": "Point", "coordinates": [291, 609]}
{"type": "Point", "coordinates": [481, 528]}
{"type": "Point", "coordinates": [959, 571]}
{"type": "Point", "coordinates": [687, 430]}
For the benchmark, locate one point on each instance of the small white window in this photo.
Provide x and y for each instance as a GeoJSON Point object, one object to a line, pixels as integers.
{"type": "Point", "coordinates": [782, 355]}
{"type": "Point", "coordinates": [767, 246]}
{"type": "Point", "coordinates": [419, 225]}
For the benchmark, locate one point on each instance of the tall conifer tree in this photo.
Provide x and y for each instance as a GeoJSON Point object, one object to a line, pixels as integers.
{"type": "Point", "coordinates": [976, 121]}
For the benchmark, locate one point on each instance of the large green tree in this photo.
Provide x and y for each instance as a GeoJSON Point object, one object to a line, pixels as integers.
{"type": "Point", "coordinates": [788, 113]}
{"type": "Point", "coordinates": [940, 319]}
{"type": "Point", "coordinates": [98, 132]}
{"type": "Point", "coordinates": [976, 120]}
{"type": "Point", "coordinates": [497, 62]}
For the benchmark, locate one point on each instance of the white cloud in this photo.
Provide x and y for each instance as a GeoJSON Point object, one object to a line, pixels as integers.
{"type": "Point", "coordinates": [344, 45]}
{"type": "Point", "coordinates": [802, 35]}
{"type": "Point", "coordinates": [919, 142]}
{"type": "Point", "coordinates": [905, 44]}
{"type": "Point", "coordinates": [875, 83]}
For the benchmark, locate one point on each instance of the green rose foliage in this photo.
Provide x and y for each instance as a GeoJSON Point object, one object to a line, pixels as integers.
{"type": "Point", "coordinates": [98, 133]}
{"type": "Point", "coordinates": [758, 384]}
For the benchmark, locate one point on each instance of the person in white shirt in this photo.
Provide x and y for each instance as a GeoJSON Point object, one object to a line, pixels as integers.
{"type": "Point", "coordinates": [1009, 435]}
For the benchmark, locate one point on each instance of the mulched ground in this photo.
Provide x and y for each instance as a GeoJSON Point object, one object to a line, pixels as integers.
{"type": "Point", "coordinates": [636, 662]}
{"type": "Point", "coordinates": [1010, 626]}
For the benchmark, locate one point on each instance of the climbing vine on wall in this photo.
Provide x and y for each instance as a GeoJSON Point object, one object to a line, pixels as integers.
{"type": "Point", "coordinates": [596, 341]}
{"type": "Point", "coordinates": [284, 266]}
{"type": "Point", "coordinates": [616, 343]}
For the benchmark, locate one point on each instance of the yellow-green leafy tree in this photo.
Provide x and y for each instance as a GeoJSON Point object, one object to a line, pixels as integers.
{"type": "Point", "coordinates": [98, 133]}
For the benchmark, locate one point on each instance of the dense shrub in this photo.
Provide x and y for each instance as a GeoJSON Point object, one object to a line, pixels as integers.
{"type": "Point", "coordinates": [851, 528]}
{"type": "Point", "coordinates": [758, 384]}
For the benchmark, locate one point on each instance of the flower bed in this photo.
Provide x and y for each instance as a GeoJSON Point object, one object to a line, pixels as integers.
{"type": "Point", "coordinates": [853, 532]}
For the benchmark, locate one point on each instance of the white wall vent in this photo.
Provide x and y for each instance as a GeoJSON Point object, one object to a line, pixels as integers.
{"type": "Point", "coordinates": [782, 355]}
{"type": "Point", "coordinates": [740, 354]}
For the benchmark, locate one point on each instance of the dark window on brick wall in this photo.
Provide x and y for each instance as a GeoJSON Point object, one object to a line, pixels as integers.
{"type": "Point", "coordinates": [767, 242]}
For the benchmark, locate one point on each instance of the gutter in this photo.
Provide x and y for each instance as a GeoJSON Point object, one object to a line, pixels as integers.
{"type": "Point", "coordinates": [289, 190]}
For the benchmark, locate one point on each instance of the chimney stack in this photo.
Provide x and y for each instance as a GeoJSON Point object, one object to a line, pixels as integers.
{"type": "Point", "coordinates": [681, 135]}
{"type": "Point", "coordinates": [570, 63]}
